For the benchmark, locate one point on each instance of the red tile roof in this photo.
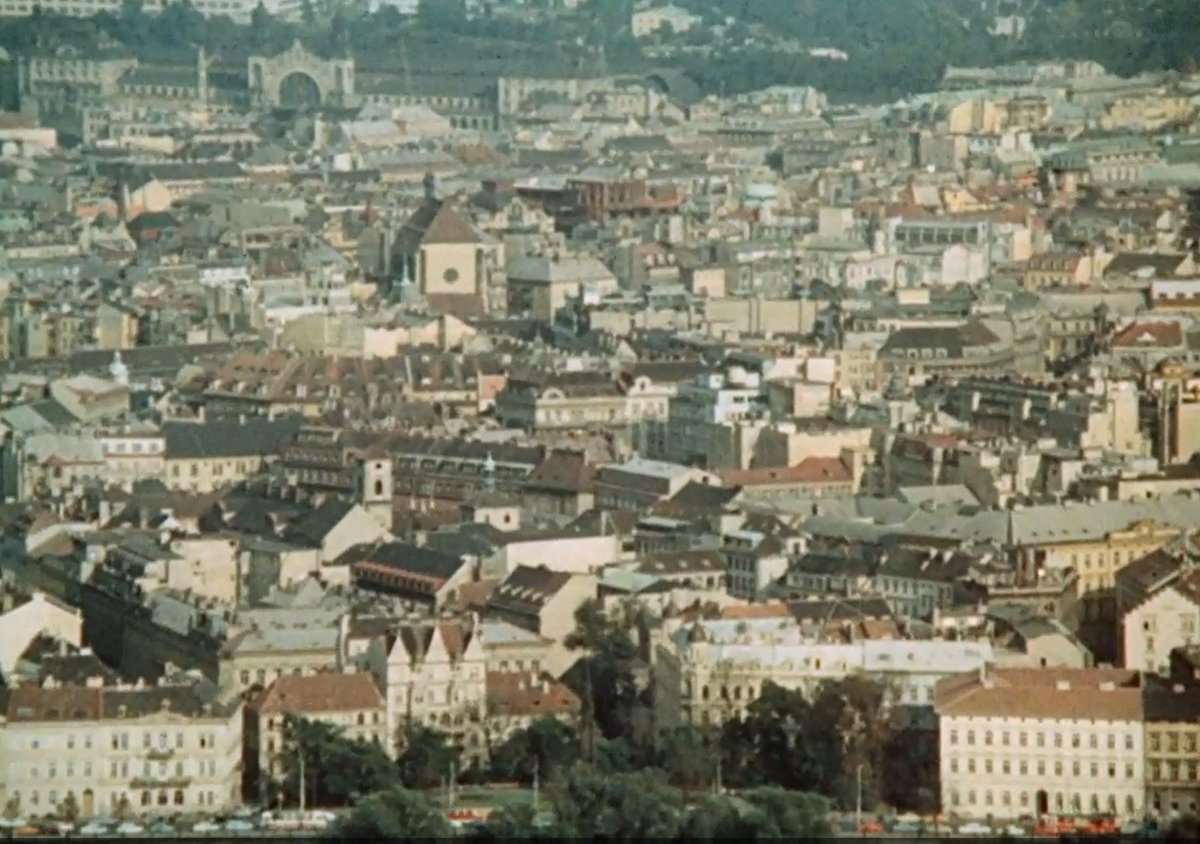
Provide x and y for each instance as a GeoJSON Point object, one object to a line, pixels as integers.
{"type": "Point", "coordinates": [1141, 335]}
{"type": "Point", "coordinates": [325, 692]}
{"type": "Point", "coordinates": [520, 693]}
{"type": "Point", "coordinates": [811, 470]}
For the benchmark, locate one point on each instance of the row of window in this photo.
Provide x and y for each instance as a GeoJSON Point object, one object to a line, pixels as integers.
{"type": "Point", "coordinates": [1040, 739]}
{"type": "Point", "coordinates": [1095, 802]}
{"type": "Point", "coordinates": [147, 798]}
{"type": "Point", "coordinates": [120, 741]}
{"type": "Point", "coordinates": [1021, 766]}
{"type": "Point", "coordinates": [1171, 742]}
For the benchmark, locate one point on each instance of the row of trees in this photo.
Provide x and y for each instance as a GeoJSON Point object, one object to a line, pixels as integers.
{"type": "Point", "coordinates": [585, 804]}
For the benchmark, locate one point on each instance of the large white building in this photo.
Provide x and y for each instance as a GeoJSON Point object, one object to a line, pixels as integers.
{"type": "Point", "coordinates": [1064, 742]}
{"type": "Point", "coordinates": [708, 672]}
{"type": "Point", "coordinates": [138, 750]}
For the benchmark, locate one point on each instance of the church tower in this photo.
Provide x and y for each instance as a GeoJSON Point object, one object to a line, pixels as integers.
{"type": "Point", "coordinates": [376, 488]}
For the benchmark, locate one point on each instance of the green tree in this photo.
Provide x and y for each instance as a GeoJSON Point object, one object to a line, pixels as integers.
{"type": "Point", "coordinates": [604, 676]}
{"type": "Point", "coordinates": [688, 757]}
{"type": "Point", "coordinates": [790, 814]}
{"type": "Point", "coordinates": [633, 806]}
{"type": "Point", "coordinates": [393, 815]}
{"type": "Point", "coordinates": [69, 808]}
{"type": "Point", "coordinates": [848, 736]}
{"type": "Point", "coordinates": [12, 808]}
{"type": "Point", "coordinates": [758, 813]}
{"type": "Point", "coordinates": [124, 809]}
{"type": "Point", "coordinates": [336, 769]}
{"type": "Point", "coordinates": [425, 758]}
{"type": "Point", "coordinates": [716, 817]}
{"type": "Point", "coordinates": [546, 746]}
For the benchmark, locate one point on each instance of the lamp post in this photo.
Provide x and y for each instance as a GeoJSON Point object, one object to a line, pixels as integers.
{"type": "Point", "coordinates": [858, 799]}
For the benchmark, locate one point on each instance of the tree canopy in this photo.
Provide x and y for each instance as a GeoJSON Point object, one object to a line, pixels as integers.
{"type": "Point", "coordinates": [336, 769]}
{"type": "Point", "coordinates": [393, 815]}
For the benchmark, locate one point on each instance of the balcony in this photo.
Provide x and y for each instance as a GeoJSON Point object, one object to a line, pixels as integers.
{"type": "Point", "coordinates": [160, 782]}
{"type": "Point", "coordinates": [159, 753]}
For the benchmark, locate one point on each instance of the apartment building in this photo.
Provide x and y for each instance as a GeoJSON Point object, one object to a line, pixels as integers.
{"type": "Point", "coordinates": [165, 749]}
{"type": "Point", "coordinates": [1017, 741]}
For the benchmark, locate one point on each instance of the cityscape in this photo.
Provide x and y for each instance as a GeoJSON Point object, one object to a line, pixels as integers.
{"type": "Point", "coordinates": [600, 419]}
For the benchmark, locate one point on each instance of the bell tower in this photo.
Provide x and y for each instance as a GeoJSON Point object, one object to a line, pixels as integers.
{"type": "Point", "coordinates": [376, 488]}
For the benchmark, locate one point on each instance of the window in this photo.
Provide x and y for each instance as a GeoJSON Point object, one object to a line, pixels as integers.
{"type": "Point", "coordinates": [987, 738]}
{"type": "Point", "coordinates": [1129, 742]}
{"type": "Point", "coordinates": [1022, 739]}
{"type": "Point", "coordinates": [987, 766]}
{"type": "Point", "coordinates": [954, 766]}
{"type": "Point", "coordinates": [178, 797]}
{"type": "Point", "coordinates": [953, 737]}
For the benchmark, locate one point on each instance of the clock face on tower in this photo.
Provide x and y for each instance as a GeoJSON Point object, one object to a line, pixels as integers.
{"type": "Point", "coordinates": [450, 276]}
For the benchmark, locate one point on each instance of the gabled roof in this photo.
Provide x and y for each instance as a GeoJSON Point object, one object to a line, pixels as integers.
{"type": "Point", "coordinates": [436, 221]}
{"type": "Point", "coordinates": [312, 528]}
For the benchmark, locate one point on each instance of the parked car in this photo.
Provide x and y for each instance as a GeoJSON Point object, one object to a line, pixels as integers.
{"type": "Point", "coordinates": [163, 829]}
{"type": "Point", "coordinates": [206, 827]}
{"type": "Point", "coordinates": [94, 827]}
{"type": "Point", "coordinates": [130, 828]}
{"type": "Point", "coordinates": [974, 828]}
{"type": "Point", "coordinates": [238, 826]}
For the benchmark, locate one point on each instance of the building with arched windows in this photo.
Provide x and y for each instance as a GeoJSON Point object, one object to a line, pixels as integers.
{"type": "Point", "coordinates": [708, 672]}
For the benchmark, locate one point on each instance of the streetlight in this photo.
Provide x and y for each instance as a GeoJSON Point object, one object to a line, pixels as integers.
{"type": "Point", "coordinates": [858, 801]}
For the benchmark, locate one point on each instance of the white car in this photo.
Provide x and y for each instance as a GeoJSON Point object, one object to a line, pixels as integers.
{"type": "Point", "coordinates": [974, 828]}
{"type": "Point", "coordinates": [1016, 831]}
{"type": "Point", "coordinates": [130, 828]}
{"type": "Point", "coordinates": [238, 825]}
{"type": "Point", "coordinates": [94, 828]}
{"type": "Point", "coordinates": [206, 827]}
